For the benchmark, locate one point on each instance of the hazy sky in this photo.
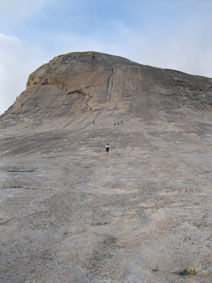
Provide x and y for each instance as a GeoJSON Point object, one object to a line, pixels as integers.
{"type": "Point", "coordinates": [174, 34]}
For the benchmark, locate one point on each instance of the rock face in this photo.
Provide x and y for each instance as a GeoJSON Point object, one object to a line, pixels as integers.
{"type": "Point", "coordinates": [86, 84]}
{"type": "Point", "coordinates": [71, 213]}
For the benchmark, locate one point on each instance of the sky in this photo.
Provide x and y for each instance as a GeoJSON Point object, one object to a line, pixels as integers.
{"type": "Point", "coordinates": [174, 34]}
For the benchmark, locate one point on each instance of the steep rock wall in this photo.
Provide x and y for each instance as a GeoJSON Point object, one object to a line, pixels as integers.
{"type": "Point", "coordinates": [75, 83]}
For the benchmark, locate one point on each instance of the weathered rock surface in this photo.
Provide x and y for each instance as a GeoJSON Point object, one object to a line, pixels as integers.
{"type": "Point", "coordinates": [80, 86]}
{"type": "Point", "coordinates": [69, 213]}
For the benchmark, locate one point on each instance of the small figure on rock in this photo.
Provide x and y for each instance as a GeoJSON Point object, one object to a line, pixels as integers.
{"type": "Point", "coordinates": [107, 148]}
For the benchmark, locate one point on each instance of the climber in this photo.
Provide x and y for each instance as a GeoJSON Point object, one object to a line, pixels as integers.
{"type": "Point", "coordinates": [107, 148]}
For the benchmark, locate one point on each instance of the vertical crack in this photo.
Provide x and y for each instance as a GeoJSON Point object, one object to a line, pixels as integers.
{"type": "Point", "coordinates": [108, 84]}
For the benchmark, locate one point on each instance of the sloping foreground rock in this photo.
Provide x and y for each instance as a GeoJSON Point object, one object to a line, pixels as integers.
{"type": "Point", "coordinates": [69, 212]}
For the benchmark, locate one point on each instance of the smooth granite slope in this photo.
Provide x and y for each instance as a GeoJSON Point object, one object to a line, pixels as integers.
{"type": "Point", "coordinates": [69, 212]}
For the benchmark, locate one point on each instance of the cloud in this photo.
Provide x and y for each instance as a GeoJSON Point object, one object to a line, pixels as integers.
{"type": "Point", "coordinates": [17, 61]}
{"type": "Point", "coordinates": [20, 10]}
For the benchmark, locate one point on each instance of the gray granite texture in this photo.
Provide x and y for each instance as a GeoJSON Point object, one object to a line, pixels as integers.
{"type": "Point", "coordinates": [71, 213]}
